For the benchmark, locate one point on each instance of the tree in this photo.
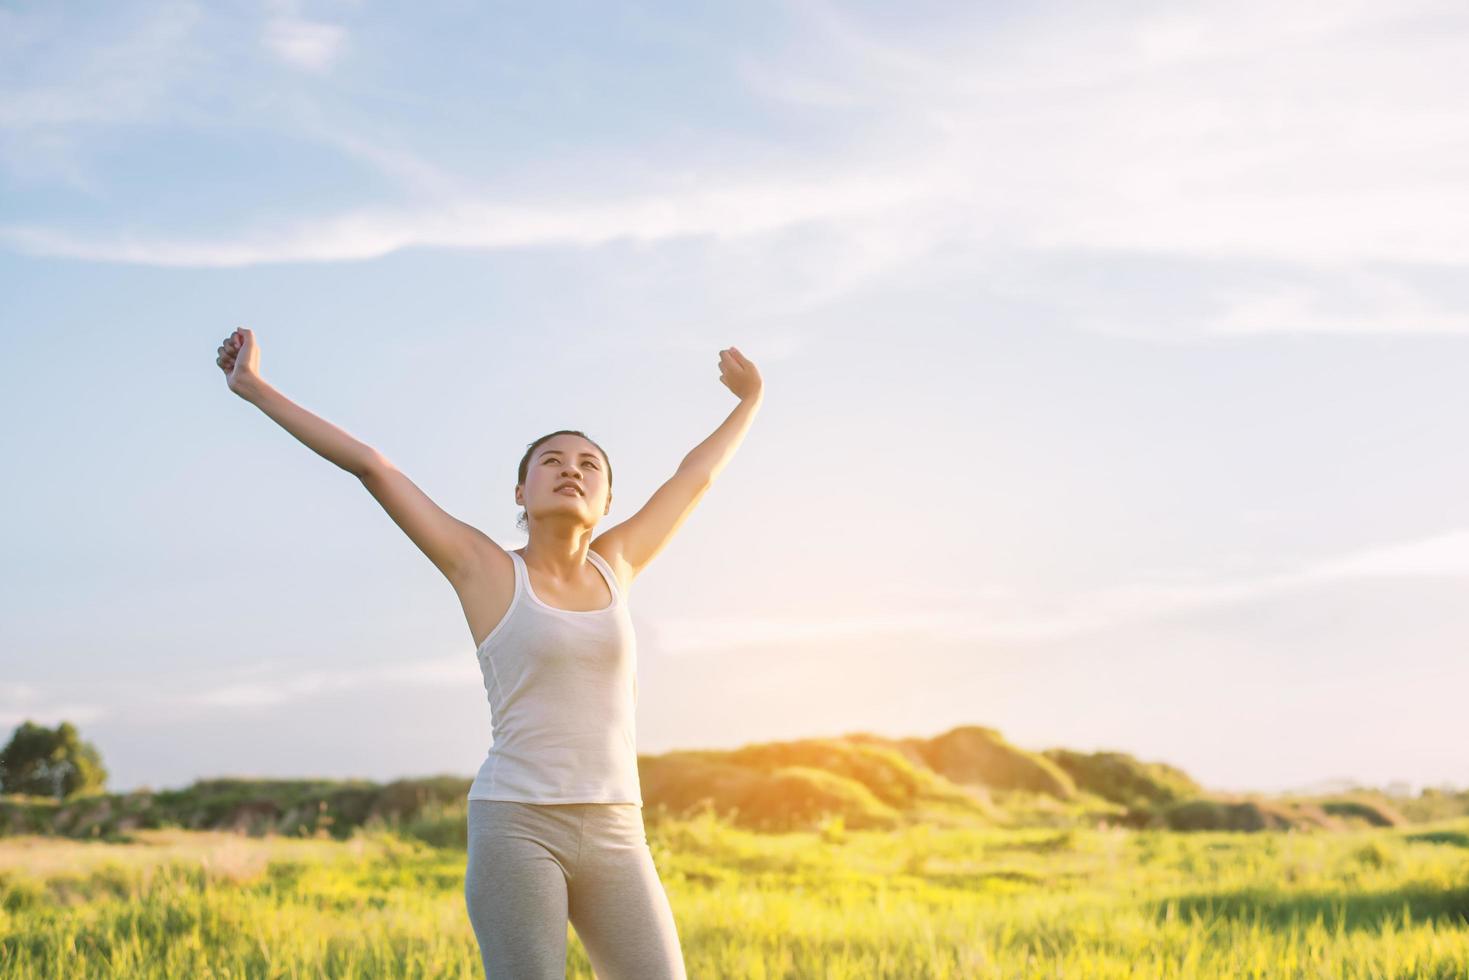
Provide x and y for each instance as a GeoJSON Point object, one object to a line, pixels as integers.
{"type": "Point", "coordinates": [42, 761]}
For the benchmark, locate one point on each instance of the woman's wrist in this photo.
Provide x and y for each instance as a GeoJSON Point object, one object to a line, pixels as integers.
{"type": "Point", "coordinates": [250, 388]}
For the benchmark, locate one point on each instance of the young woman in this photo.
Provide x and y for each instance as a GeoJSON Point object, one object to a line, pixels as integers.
{"type": "Point", "coordinates": [555, 812]}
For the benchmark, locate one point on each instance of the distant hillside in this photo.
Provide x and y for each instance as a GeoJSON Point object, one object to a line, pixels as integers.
{"type": "Point", "coordinates": [1119, 777]}
{"type": "Point", "coordinates": [975, 756]}
{"type": "Point", "coordinates": [786, 785]}
{"type": "Point", "coordinates": [296, 807]}
{"type": "Point", "coordinates": [969, 775]}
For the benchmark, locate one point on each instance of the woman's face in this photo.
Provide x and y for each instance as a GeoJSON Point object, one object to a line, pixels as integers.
{"type": "Point", "coordinates": [566, 474]}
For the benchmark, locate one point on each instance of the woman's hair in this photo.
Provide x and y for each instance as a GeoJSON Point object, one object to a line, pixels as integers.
{"type": "Point", "coordinates": [523, 522]}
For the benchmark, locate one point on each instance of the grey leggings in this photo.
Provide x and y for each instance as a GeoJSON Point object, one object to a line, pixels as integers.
{"type": "Point", "coordinates": [534, 866]}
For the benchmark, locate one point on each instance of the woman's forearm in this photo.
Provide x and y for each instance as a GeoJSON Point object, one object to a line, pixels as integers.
{"type": "Point", "coordinates": [711, 455]}
{"type": "Point", "coordinates": [321, 436]}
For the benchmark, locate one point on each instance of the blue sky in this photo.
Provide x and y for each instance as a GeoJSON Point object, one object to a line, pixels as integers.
{"type": "Point", "coordinates": [1114, 363]}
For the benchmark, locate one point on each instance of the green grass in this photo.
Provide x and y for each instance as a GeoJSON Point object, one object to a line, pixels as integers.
{"type": "Point", "coordinates": [917, 902]}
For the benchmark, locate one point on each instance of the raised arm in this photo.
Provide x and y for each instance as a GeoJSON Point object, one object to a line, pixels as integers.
{"type": "Point", "coordinates": [639, 539]}
{"type": "Point", "coordinates": [447, 541]}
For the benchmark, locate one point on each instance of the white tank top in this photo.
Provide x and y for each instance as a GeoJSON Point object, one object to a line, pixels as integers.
{"type": "Point", "coordinates": [562, 687]}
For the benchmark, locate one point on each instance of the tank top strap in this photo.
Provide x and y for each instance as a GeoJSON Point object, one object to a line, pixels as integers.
{"type": "Point", "coordinates": [606, 569]}
{"type": "Point", "coordinates": [521, 576]}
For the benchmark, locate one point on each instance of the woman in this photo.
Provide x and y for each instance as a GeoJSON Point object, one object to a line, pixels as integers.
{"type": "Point", "coordinates": [555, 812]}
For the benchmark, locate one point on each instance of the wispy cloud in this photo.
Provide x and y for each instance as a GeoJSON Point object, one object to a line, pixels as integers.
{"type": "Point", "coordinates": [1315, 138]}
{"type": "Point", "coordinates": [313, 46]}
{"type": "Point", "coordinates": [1443, 554]}
{"type": "Point", "coordinates": [1323, 140]}
{"type": "Point", "coordinates": [59, 78]}
{"type": "Point", "coordinates": [111, 78]}
{"type": "Point", "coordinates": [1002, 615]}
{"type": "Point", "coordinates": [25, 702]}
{"type": "Point", "coordinates": [1375, 303]}
{"type": "Point", "coordinates": [384, 153]}
{"type": "Point", "coordinates": [729, 210]}
{"type": "Point", "coordinates": [251, 688]}
{"type": "Point", "coordinates": [988, 614]}
{"type": "Point", "coordinates": [12, 691]}
{"type": "Point", "coordinates": [285, 686]}
{"type": "Point", "coordinates": [53, 713]}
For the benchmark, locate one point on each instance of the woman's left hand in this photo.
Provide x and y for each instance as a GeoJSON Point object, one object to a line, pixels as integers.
{"type": "Point", "coordinates": [739, 374]}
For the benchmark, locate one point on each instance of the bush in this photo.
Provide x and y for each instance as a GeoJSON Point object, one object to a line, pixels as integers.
{"type": "Point", "coordinates": [55, 763]}
{"type": "Point", "coordinates": [1373, 812]}
{"type": "Point", "coordinates": [1123, 779]}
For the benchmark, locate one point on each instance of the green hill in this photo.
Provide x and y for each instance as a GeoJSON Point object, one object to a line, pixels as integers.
{"type": "Point", "coordinates": [1119, 777]}
{"type": "Point", "coordinates": [967, 776]}
{"type": "Point", "coordinates": [789, 785]}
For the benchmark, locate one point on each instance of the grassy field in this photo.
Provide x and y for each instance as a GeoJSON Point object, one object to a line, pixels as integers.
{"type": "Point", "coordinates": [920, 902]}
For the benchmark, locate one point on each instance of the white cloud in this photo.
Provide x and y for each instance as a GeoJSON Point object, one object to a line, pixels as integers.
{"type": "Point", "coordinates": [241, 687]}
{"type": "Point", "coordinates": [1444, 554]}
{"type": "Point", "coordinates": [285, 686]}
{"type": "Point", "coordinates": [20, 702]}
{"type": "Point", "coordinates": [59, 78]}
{"type": "Point", "coordinates": [1003, 615]}
{"type": "Point", "coordinates": [77, 713]}
{"type": "Point", "coordinates": [310, 45]}
{"type": "Point", "coordinates": [54, 75]}
{"type": "Point", "coordinates": [725, 210]}
{"type": "Point", "coordinates": [11, 691]}
{"type": "Point", "coordinates": [1321, 138]}
{"type": "Point", "coordinates": [1380, 304]}
{"type": "Point", "coordinates": [1196, 299]}
{"type": "Point", "coordinates": [993, 613]}
{"type": "Point", "coordinates": [388, 156]}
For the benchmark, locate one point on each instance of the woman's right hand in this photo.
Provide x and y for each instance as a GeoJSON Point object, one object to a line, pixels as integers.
{"type": "Point", "coordinates": [239, 359]}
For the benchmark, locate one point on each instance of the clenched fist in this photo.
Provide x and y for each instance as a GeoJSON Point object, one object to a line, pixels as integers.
{"type": "Point", "coordinates": [739, 374]}
{"type": "Point", "coordinates": [239, 359]}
